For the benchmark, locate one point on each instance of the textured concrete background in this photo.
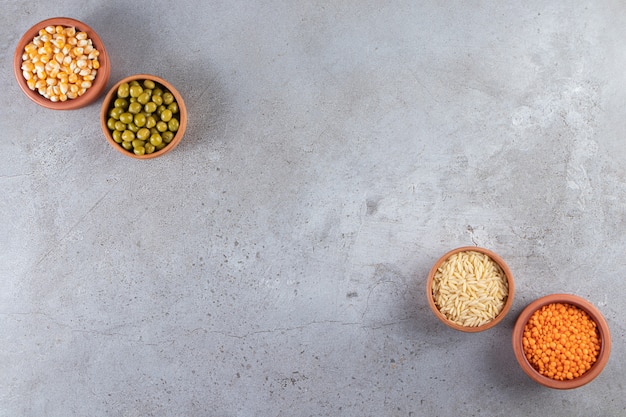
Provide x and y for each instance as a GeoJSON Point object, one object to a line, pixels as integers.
{"type": "Point", "coordinates": [274, 263]}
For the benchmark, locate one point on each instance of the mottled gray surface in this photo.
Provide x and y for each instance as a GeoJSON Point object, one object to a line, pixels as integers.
{"type": "Point", "coordinates": [274, 263]}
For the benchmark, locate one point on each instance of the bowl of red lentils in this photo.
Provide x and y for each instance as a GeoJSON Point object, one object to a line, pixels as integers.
{"type": "Point", "coordinates": [470, 289]}
{"type": "Point", "coordinates": [61, 64]}
{"type": "Point", "coordinates": [561, 341]}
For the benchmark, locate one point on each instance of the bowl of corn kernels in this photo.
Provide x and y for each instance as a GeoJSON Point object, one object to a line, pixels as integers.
{"type": "Point", "coordinates": [470, 289]}
{"type": "Point", "coordinates": [61, 63]}
{"type": "Point", "coordinates": [561, 341]}
{"type": "Point", "coordinates": [143, 116]}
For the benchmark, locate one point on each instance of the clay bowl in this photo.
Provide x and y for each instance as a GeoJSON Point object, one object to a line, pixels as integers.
{"type": "Point", "coordinates": [163, 84]}
{"type": "Point", "coordinates": [603, 331]}
{"type": "Point", "coordinates": [471, 329]}
{"type": "Point", "coordinates": [91, 94]}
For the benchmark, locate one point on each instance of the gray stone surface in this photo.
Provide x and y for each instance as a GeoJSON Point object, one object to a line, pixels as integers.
{"type": "Point", "coordinates": [274, 263]}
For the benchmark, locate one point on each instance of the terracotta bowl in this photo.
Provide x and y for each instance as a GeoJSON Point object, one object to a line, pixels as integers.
{"type": "Point", "coordinates": [108, 104]}
{"type": "Point", "coordinates": [603, 330]}
{"type": "Point", "coordinates": [508, 303]}
{"type": "Point", "coordinates": [91, 94]}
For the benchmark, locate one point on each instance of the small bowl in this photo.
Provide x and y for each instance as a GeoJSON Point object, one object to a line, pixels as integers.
{"type": "Point", "coordinates": [603, 330]}
{"type": "Point", "coordinates": [99, 83]}
{"type": "Point", "coordinates": [507, 305]}
{"type": "Point", "coordinates": [110, 97]}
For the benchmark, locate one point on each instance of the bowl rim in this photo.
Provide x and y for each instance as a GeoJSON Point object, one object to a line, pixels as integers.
{"type": "Point", "coordinates": [182, 118]}
{"type": "Point", "coordinates": [507, 305]}
{"type": "Point", "coordinates": [92, 94]}
{"type": "Point", "coordinates": [594, 313]}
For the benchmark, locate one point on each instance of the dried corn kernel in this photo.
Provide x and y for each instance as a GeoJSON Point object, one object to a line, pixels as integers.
{"type": "Point", "coordinates": [60, 63]}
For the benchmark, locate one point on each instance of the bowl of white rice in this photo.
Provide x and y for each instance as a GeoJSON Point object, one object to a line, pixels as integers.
{"type": "Point", "coordinates": [470, 289]}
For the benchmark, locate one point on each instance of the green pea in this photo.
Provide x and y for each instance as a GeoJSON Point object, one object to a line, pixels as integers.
{"type": "Point", "coordinates": [121, 103]}
{"type": "Point", "coordinates": [158, 100]}
{"type": "Point", "coordinates": [173, 125]}
{"type": "Point", "coordinates": [126, 117]}
{"type": "Point", "coordinates": [111, 123]}
{"type": "Point", "coordinates": [150, 122]}
{"type": "Point", "coordinates": [138, 143]}
{"type": "Point", "coordinates": [161, 126]}
{"type": "Point", "coordinates": [132, 127]}
{"type": "Point", "coordinates": [135, 90]}
{"type": "Point", "coordinates": [135, 107]}
{"type": "Point", "coordinates": [117, 136]}
{"type": "Point", "coordinates": [127, 145]}
{"type": "Point", "coordinates": [116, 112]}
{"type": "Point", "coordinates": [161, 146]}
{"type": "Point", "coordinates": [123, 90]}
{"type": "Point", "coordinates": [160, 109]}
{"type": "Point", "coordinates": [133, 82]}
{"type": "Point", "coordinates": [144, 97]}
{"type": "Point", "coordinates": [157, 91]}
{"type": "Point", "coordinates": [128, 136]}
{"type": "Point", "coordinates": [140, 150]}
{"type": "Point", "coordinates": [156, 139]}
{"type": "Point", "coordinates": [168, 97]}
{"type": "Point", "coordinates": [120, 126]}
{"type": "Point", "coordinates": [173, 107]}
{"type": "Point", "coordinates": [143, 134]}
{"type": "Point", "coordinates": [140, 120]}
{"type": "Point", "coordinates": [166, 115]}
{"type": "Point", "coordinates": [149, 84]}
{"type": "Point", "coordinates": [167, 136]}
{"type": "Point", "coordinates": [150, 106]}
{"type": "Point", "coordinates": [149, 148]}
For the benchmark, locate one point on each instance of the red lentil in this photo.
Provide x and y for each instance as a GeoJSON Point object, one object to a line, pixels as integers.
{"type": "Point", "coordinates": [561, 341]}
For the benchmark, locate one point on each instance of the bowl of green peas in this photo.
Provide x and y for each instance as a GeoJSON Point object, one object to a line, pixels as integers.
{"type": "Point", "coordinates": [143, 116]}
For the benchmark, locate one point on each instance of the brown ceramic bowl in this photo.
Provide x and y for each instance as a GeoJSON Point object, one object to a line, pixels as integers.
{"type": "Point", "coordinates": [91, 94]}
{"type": "Point", "coordinates": [603, 330]}
{"type": "Point", "coordinates": [108, 104]}
{"type": "Point", "coordinates": [507, 305]}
